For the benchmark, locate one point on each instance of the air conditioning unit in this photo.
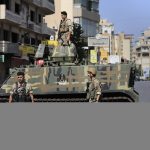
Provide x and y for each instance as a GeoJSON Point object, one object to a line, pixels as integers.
{"type": "Point", "coordinates": [31, 26]}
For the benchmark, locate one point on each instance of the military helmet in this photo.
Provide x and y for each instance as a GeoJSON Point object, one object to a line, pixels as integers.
{"type": "Point", "coordinates": [92, 70]}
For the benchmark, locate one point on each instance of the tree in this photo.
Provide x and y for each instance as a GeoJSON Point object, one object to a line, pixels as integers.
{"type": "Point", "coordinates": [78, 40]}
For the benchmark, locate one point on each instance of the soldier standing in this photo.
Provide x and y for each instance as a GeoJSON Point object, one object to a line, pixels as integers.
{"type": "Point", "coordinates": [66, 48]}
{"type": "Point", "coordinates": [94, 88]}
{"type": "Point", "coordinates": [21, 90]}
{"type": "Point", "coordinates": [65, 29]}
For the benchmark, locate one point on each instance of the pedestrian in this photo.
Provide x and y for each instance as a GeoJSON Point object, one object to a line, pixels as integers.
{"type": "Point", "coordinates": [65, 29]}
{"type": "Point", "coordinates": [94, 91]}
{"type": "Point", "coordinates": [21, 90]}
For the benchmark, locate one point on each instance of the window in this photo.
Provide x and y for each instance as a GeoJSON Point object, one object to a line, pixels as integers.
{"type": "Point", "coordinates": [38, 42]}
{"type": "Point", "coordinates": [6, 35]}
{"type": "Point", "coordinates": [39, 18]}
{"type": "Point", "coordinates": [83, 3]}
{"type": "Point", "coordinates": [89, 6]}
{"type": "Point", "coordinates": [52, 1]}
{"type": "Point", "coordinates": [89, 27]}
{"type": "Point", "coordinates": [15, 37]}
{"type": "Point", "coordinates": [1, 31]}
{"type": "Point", "coordinates": [17, 8]}
{"type": "Point", "coordinates": [7, 4]}
{"type": "Point", "coordinates": [26, 38]}
{"type": "Point", "coordinates": [145, 54]}
{"type": "Point", "coordinates": [93, 6]}
{"type": "Point", "coordinates": [32, 41]}
{"type": "Point", "coordinates": [32, 16]}
{"type": "Point", "coordinates": [2, 1]}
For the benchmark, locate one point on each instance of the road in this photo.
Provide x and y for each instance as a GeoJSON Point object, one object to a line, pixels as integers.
{"type": "Point", "coordinates": [143, 88]}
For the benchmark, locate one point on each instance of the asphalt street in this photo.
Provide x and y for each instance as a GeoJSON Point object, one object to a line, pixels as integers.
{"type": "Point", "coordinates": [143, 88]}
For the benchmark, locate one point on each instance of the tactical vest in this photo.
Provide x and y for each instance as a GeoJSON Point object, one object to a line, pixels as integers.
{"type": "Point", "coordinates": [64, 26]}
{"type": "Point", "coordinates": [91, 93]}
{"type": "Point", "coordinates": [20, 94]}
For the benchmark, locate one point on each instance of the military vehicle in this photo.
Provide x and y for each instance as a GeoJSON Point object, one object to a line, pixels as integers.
{"type": "Point", "coordinates": [67, 81]}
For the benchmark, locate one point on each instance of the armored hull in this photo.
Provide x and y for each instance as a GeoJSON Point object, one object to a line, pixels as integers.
{"type": "Point", "coordinates": [68, 83]}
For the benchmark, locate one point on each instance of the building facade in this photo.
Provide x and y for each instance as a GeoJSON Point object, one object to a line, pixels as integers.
{"type": "Point", "coordinates": [119, 44]}
{"type": "Point", "coordinates": [19, 18]}
{"type": "Point", "coordinates": [143, 53]}
{"type": "Point", "coordinates": [107, 28]}
{"type": "Point", "coordinates": [22, 21]}
{"type": "Point", "coordinates": [83, 12]}
{"type": "Point", "coordinates": [122, 45]}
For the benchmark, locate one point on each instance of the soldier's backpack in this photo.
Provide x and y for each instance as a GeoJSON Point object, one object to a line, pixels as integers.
{"type": "Point", "coordinates": [20, 94]}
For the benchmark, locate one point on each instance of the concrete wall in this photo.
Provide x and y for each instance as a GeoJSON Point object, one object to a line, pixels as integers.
{"type": "Point", "coordinates": [69, 9]}
{"type": "Point", "coordinates": [63, 5]}
{"type": "Point", "coordinates": [54, 19]}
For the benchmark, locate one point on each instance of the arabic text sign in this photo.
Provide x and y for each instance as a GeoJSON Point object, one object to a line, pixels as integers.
{"type": "Point", "coordinates": [27, 49]}
{"type": "Point", "coordinates": [102, 42]}
{"type": "Point", "coordinates": [93, 56]}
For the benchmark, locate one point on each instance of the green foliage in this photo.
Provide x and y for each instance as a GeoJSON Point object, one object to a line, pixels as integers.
{"type": "Point", "coordinates": [138, 71]}
{"type": "Point", "coordinates": [78, 40]}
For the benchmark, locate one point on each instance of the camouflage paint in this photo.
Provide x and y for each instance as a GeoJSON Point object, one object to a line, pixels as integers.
{"type": "Point", "coordinates": [46, 80]}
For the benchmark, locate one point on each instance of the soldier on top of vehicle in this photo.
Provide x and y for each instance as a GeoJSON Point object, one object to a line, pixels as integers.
{"type": "Point", "coordinates": [66, 49]}
{"type": "Point", "coordinates": [65, 29]}
{"type": "Point", "coordinates": [94, 88]}
{"type": "Point", "coordinates": [21, 90]}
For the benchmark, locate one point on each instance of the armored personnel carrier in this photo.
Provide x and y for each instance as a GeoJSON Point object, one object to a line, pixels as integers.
{"type": "Point", "coordinates": [67, 82]}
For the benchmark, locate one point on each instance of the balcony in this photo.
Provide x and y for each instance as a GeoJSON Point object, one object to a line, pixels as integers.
{"type": "Point", "coordinates": [23, 24]}
{"type": "Point", "coordinates": [144, 50]}
{"type": "Point", "coordinates": [81, 12]}
{"type": "Point", "coordinates": [46, 30]}
{"type": "Point", "coordinates": [48, 6]}
{"type": "Point", "coordinates": [9, 15]}
{"type": "Point", "coordinates": [8, 47]}
{"type": "Point", "coordinates": [143, 46]}
{"type": "Point", "coordinates": [34, 27]}
{"type": "Point", "coordinates": [36, 2]}
{"type": "Point", "coordinates": [37, 28]}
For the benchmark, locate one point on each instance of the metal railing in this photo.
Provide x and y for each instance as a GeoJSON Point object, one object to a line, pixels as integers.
{"type": "Point", "coordinates": [9, 15]}
{"type": "Point", "coordinates": [48, 5]}
{"type": "Point", "coordinates": [8, 47]}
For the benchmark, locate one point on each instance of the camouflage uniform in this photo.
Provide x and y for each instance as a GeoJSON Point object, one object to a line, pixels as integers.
{"type": "Point", "coordinates": [65, 48]}
{"type": "Point", "coordinates": [64, 28]}
{"type": "Point", "coordinates": [20, 92]}
{"type": "Point", "coordinates": [94, 90]}
{"type": "Point", "coordinates": [94, 86]}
